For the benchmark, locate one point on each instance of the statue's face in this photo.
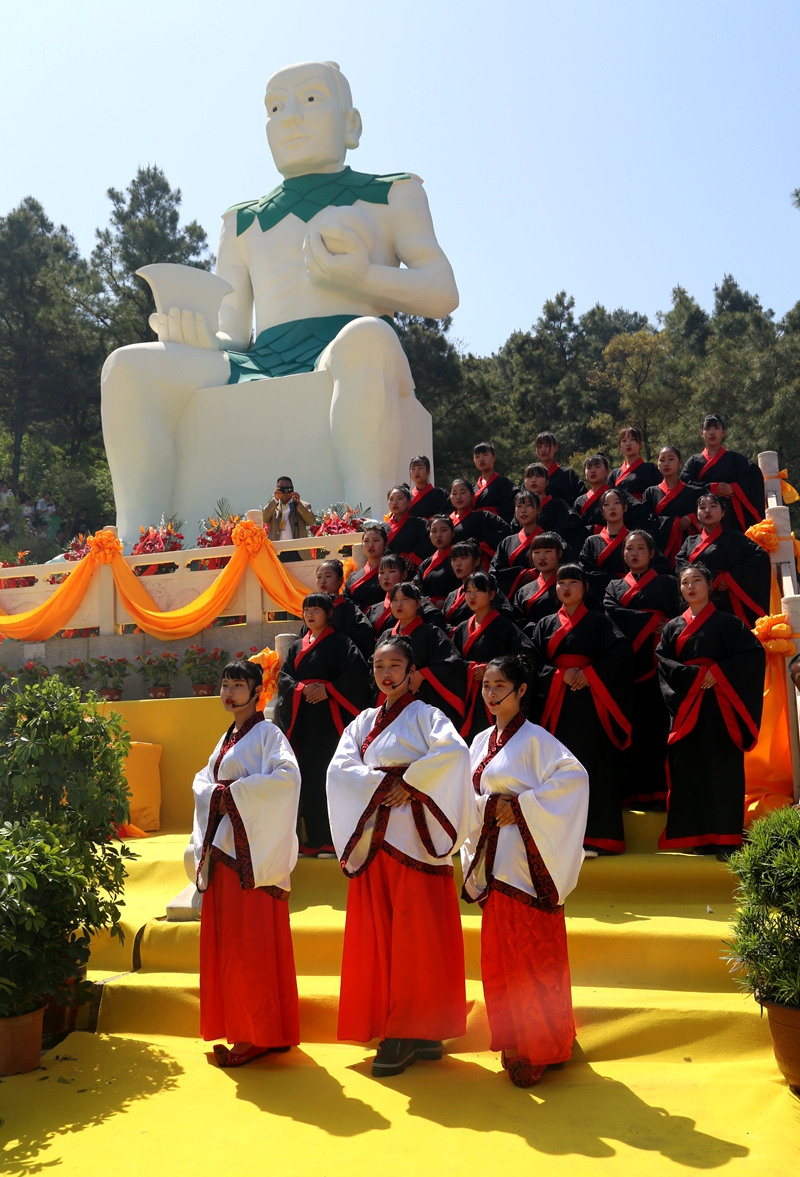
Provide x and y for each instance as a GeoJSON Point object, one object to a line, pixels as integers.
{"type": "Point", "coordinates": [307, 129]}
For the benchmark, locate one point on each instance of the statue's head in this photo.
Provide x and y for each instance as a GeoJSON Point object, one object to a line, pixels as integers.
{"type": "Point", "coordinates": [311, 120]}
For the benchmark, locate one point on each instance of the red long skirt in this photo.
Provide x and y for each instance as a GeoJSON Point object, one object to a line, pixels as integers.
{"type": "Point", "coordinates": [403, 959]}
{"type": "Point", "coordinates": [525, 969]}
{"type": "Point", "coordinates": [248, 984]}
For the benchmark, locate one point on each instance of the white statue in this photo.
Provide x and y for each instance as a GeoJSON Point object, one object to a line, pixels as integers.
{"type": "Point", "coordinates": [326, 391]}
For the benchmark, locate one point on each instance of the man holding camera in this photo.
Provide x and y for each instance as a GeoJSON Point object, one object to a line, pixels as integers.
{"type": "Point", "coordinates": [288, 517]}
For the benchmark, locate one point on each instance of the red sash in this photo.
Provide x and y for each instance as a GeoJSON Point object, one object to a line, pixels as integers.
{"type": "Point", "coordinates": [693, 624]}
{"type": "Point", "coordinates": [625, 470]}
{"type": "Point", "coordinates": [457, 603]}
{"type": "Point", "coordinates": [707, 538]}
{"type": "Point", "coordinates": [739, 499]}
{"type": "Point", "coordinates": [566, 624]}
{"type": "Point", "coordinates": [738, 598]}
{"type": "Point", "coordinates": [308, 641]}
{"type": "Point", "coordinates": [607, 710]}
{"type": "Point", "coordinates": [656, 616]}
{"type": "Point", "coordinates": [335, 701]}
{"type": "Point", "coordinates": [367, 573]}
{"type": "Point", "coordinates": [474, 630]}
{"type": "Point", "coordinates": [611, 544]}
{"type": "Point", "coordinates": [591, 499]}
{"type": "Point", "coordinates": [439, 557]}
{"type": "Point", "coordinates": [379, 622]}
{"type": "Point", "coordinates": [542, 586]}
{"type": "Point", "coordinates": [482, 484]}
{"type": "Point", "coordinates": [418, 494]}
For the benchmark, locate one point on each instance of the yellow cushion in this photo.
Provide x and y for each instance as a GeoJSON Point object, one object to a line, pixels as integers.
{"type": "Point", "coordinates": [144, 782]}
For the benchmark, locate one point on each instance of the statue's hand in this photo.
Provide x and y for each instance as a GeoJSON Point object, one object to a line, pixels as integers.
{"type": "Point", "coordinates": [187, 327]}
{"type": "Point", "coordinates": [347, 269]}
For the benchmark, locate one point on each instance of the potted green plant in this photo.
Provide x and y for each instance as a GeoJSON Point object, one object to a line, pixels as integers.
{"type": "Point", "coordinates": [109, 674]}
{"type": "Point", "coordinates": [158, 672]}
{"type": "Point", "coordinates": [204, 668]}
{"type": "Point", "coordinates": [62, 785]}
{"type": "Point", "coordinates": [74, 673]}
{"type": "Point", "coordinates": [32, 672]}
{"type": "Point", "coordinates": [765, 948]}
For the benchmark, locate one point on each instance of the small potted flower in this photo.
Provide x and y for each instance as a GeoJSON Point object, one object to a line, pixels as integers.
{"type": "Point", "coordinates": [74, 673]}
{"type": "Point", "coordinates": [31, 673]}
{"type": "Point", "coordinates": [109, 674]}
{"type": "Point", "coordinates": [203, 668]}
{"type": "Point", "coordinates": [158, 671]}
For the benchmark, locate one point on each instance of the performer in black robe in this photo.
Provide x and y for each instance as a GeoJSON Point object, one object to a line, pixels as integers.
{"type": "Point", "coordinates": [380, 616]}
{"type": "Point", "coordinates": [596, 471]}
{"type": "Point", "coordinates": [511, 562]}
{"type": "Point", "coordinates": [440, 678]}
{"type": "Point", "coordinates": [640, 605]}
{"type": "Point", "coordinates": [602, 555]}
{"type": "Point", "coordinates": [585, 676]}
{"type": "Point", "coordinates": [346, 618]}
{"type": "Point", "coordinates": [407, 533]}
{"type": "Point", "coordinates": [563, 481]}
{"type": "Point", "coordinates": [741, 568]}
{"type": "Point", "coordinates": [435, 577]}
{"type": "Point", "coordinates": [493, 492]}
{"type": "Point", "coordinates": [484, 529]}
{"type": "Point", "coordinates": [362, 585]}
{"type": "Point", "coordinates": [427, 500]}
{"type": "Point", "coordinates": [323, 684]}
{"type": "Point", "coordinates": [634, 475]}
{"type": "Point", "coordinates": [539, 599]}
{"type": "Point", "coordinates": [465, 560]}
{"type": "Point", "coordinates": [554, 514]}
{"type": "Point", "coordinates": [728, 475]}
{"type": "Point", "coordinates": [486, 635]}
{"type": "Point", "coordinates": [671, 505]}
{"type": "Point", "coordinates": [711, 669]}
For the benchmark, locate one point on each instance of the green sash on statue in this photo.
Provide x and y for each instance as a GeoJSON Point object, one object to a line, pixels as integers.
{"type": "Point", "coordinates": [305, 196]}
{"type": "Point", "coordinates": [288, 348]}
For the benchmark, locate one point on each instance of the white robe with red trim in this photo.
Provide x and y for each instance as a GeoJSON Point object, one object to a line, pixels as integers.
{"type": "Point", "coordinates": [425, 739]}
{"type": "Point", "coordinates": [552, 788]}
{"type": "Point", "coordinates": [266, 791]}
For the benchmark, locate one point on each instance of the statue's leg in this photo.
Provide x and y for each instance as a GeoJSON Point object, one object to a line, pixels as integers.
{"type": "Point", "coordinates": [144, 390]}
{"type": "Point", "coordinates": [370, 373]}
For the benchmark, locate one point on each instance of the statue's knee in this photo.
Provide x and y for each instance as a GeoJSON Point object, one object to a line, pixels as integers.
{"type": "Point", "coordinates": [365, 341]}
{"type": "Point", "coordinates": [127, 364]}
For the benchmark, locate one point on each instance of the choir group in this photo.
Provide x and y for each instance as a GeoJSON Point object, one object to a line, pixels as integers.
{"type": "Point", "coordinates": [511, 667]}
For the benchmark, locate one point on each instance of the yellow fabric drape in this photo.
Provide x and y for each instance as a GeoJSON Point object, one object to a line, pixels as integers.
{"type": "Point", "coordinates": [790, 495]}
{"type": "Point", "coordinates": [252, 546]}
{"type": "Point", "coordinates": [768, 767]}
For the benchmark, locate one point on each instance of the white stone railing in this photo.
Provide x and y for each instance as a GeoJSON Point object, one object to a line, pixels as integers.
{"type": "Point", "coordinates": [784, 567]}
{"type": "Point", "coordinates": [102, 608]}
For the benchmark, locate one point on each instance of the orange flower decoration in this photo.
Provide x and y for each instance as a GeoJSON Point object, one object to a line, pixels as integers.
{"type": "Point", "coordinates": [104, 546]}
{"type": "Point", "coordinates": [774, 632]}
{"type": "Point", "coordinates": [764, 534]}
{"type": "Point", "coordinates": [250, 535]}
{"type": "Point", "coordinates": [270, 663]}
{"type": "Point", "coordinates": [348, 566]}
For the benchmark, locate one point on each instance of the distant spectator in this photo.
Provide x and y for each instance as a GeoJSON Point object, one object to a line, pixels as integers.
{"type": "Point", "coordinates": [288, 517]}
{"type": "Point", "coordinates": [6, 496]}
{"type": "Point", "coordinates": [45, 507]}
{"type": "Point", "coordinates": [27, 510]}
{"type": "Point", "coordinates": [82, 525]}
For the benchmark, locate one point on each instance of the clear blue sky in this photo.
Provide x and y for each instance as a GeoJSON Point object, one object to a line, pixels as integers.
{"type": "Point", "coordinates": [610, 149]}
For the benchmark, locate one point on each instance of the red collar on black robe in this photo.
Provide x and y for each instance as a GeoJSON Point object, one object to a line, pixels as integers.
{"type": "Point", "coordinates": [635, 586]}
{"type": "Point", "coordinates": [669, 494]}
{"type": "Point", "coordinates": [367, 573]}
{"type": "Point", "coordinates": [439, 557]}
{"type": "Point", "coordinates": [611, 544]}
{"type": "Point", "coordinates": [418, 494]}
{"type": "Point", "coordinates": [457, 603]}
{"type": "Point", "coordinates": [592, 498]}
{"type": "Point", "coordinates": [626, 469]}
{"type": "Point", "coordinates": [566, 624]}
{"type": "Point", "coordinates": [409, 629]}
{"type": "Point", "coordinates": [395, 527]}
{"type": "Point", "coordinates": [457, 517]}
{"type": "Point", "coordinates": [379, 622]}
{"type": "Point", "coordinates": [542, 586]}
{"type": "Point", "coordinates": [309, 641]}
{"type": "Point", "coordinates": [707, 538]}
{"type": "Point", "coordinates": [474, 629]}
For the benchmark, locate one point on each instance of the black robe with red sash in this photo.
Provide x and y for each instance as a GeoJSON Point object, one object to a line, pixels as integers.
{"type": "Point", "coordinates": [435, 577]}
{"type": "Point", "coordinates": [591, 513]}
{"type": "Point", "coordinates": [511, 562]}
{"type": "Point", "coordinates": [455, 609]}
{"type": "Point", "coordinates": [495, 495]}
{"type": "Point", "coordinates": [665, 509]}
{"type": "Point", "coordinates": [711, 729]}
{"type": "Point", "coordinates": [478, 644]}
{"type": "Point", "coordinates": [637, 607]}
{"type": "Point", "coordinates": [603, 558]}
{"type": "Point", "coordinates": [593, 722]}
{"type": "Point", "coordinates": [634, 478]}
{"type": "Point", "coordinates": [409, 539]}
{"type": "Point", "coordinates": [555, 515]}
{"type": "Point", "coordinates": [362, 587]}
{"type": "Point", "coordinates": [564, 483]}
{"type": "Point", "coordinates": [483, 529]}
{"type": "Point", "coordinates": [744, 565]}
{"type": "Point", "coordinates": [537, 600]}
{"type": "Point", "coordinates": [444, 674]}
{"type": "Point", "coordinates": [348, 619]}
{"type": "Point", "coordinates": [313, 729]}
{"type": "Point", "coordinates": [429, 502]}
{"type": "Point", "coordinates": [746, 505]}
{"type": "Point", "coordinates": [381, 619]}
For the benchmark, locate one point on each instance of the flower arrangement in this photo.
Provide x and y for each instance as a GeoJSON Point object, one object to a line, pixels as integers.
{"type": "Point", "coordinates": [340, 519]}
{"type": "Point", "coordinates": [31, 674]}
{"type": "Point", "coordinates": [203, 666]}
{"type": "Point", "coordinates": [217, 532]}
{"type": "Point", "coordinates": [158, 671]}
{"type": "Point", "coordinates": [17, 581]}
{"type": "Point", "coordinates": [166, 537]}
{"type": "Point", "coordinates": [77, 548]}
{"type": "Point", "coordinates": [74, 673]}
{"type": "Point", "coordinates": [109, 673]}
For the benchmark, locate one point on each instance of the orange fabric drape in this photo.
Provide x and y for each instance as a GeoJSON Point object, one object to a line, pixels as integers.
{"type": "Point", "coordinates": [768, 767]}
{"type": "Point", "coordinates": [252, 546]}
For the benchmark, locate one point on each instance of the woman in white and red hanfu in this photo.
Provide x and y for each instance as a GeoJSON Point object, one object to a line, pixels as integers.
{"type": "Point", "coordinates": [245, 848]}
{"type": "Point", "coordinates": [401, 804]}
{"type": "Point", "coordinates": [520, 863]}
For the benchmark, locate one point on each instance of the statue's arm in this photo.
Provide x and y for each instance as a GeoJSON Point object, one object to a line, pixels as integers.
{"type": "Point", "coordinates": [236, 312]}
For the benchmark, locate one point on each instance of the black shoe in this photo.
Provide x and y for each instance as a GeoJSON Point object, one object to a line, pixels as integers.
{"type": "Point", "coordinates": [394, 1055]}
{"type": "Point", "coordinates": [427, 1049]}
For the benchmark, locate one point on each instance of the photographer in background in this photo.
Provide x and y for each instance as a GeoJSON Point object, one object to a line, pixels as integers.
{"type": "Point", "coordinates": [287, 517]}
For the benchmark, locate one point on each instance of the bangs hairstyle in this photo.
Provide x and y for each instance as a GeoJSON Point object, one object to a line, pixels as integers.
{"type": "Point", "coordinates": [407, 589]}
{"type": "Point", "coordinates": [484, 582]}
{"type": "Point", "coordinates": [713, 419]}
{"type": "Point", "coordinates": [441, 519]}
{"type": "Point", "coordinates": [379, 529]}
{"type": "Point", "coordinates": [612, 490]}
{"type": "Point", "coordinates": [597, 460]}
{"type": "Point", "coordinates": [336, 565]}
{"type": "Point", "coordinates": [319, 601]}
{"type": "Point", "coordinates": [392, 560]}
{"type": "Point", "coordinates": [518, 670]}
{"type": "Point", "coordinates": [548, 539]}
{"type": "Point", "coordinates": [463, 482]}
{"type": "Point", "coordinates": [464, 548]}
{"type": "Point", "coordinates": [631, 431]}
{"type": "Point", "coordinates": [535, 470]}
{"type": "Point", "coordinates": [528, 497]}
{"type": "Point", "coordinates": [645, 535]}
{"type": "Point", "coordinates": [573, 572]}
{"type": "Point", "coordinates": [713, 498]}
{"type": "Point", "coordinates": [394, 641]}
{"type": "Point", "coordinates": [703, 569]}
{"type": "Point", "coordinates": [420, 460]}
{"type": "Point", "coordinates": [674, 449]}
{"type": "Point", "coordinates": [483, 447]}
{"type": "Point", "coordinates": [546, 436]}
{"type": "Point", "coordinates": [404, 489]}
{"type": "Point", "coordinates": [242, 671]}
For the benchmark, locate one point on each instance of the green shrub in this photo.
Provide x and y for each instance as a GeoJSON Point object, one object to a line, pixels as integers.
{"type": "Point", "coordinates": [765, 949]}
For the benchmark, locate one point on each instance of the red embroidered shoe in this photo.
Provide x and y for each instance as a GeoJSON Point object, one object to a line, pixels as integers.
{"type": "Point", "coordinates": [522, 1072]}
{"type": "Point", "coordinates": [227, 1058]}
{"type": "Point", "coordinates": [326, 851]}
